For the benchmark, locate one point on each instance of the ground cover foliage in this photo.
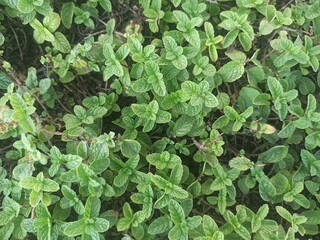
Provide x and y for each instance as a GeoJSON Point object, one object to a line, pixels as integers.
{"type": "Point", "coordinates": [150, 119]}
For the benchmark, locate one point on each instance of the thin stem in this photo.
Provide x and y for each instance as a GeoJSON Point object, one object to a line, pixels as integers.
{"type": "Point", "coordinates": [17, 41]}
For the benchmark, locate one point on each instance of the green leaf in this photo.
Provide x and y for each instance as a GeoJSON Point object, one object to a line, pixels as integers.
{"type": "Point", "coordinates": [313, 11]}
{"type": "Point", "coordinates": [52, 21]}
{"type": "Point", "coordinates": [181, 62]}
{"type": "Point", "coordinates": [193, 222]}
{"type": "Point", "coordinates": [262, 99]}
{"type": "Point", "coordinates": [239, 229]}
{"type": "Point", "coordinates": [231, 71]}
{"type": "Point", "coordinates": [181, 16]}
{"type": "Point", "coordinates": [176, 3]}
{"type": "Point", "coordinates": [190, 88]}
{"type": "Point", "coordinates": [312, 140]}
{"type": "Point", "coordinates": [44, 85]}
{"type": "Point", "coordinates": [20, 114]}
{"type": "Point", "coordinates": [230, 37]}
{"type": "Point", "coordinates": [176, 212]}
{"type": "Point", "coordinates": [5, 80]}
{"type": "Point", "coordinates": [2, 39]}
{"type": "Point", "coordinates": [163, 117]}
{"type": "Point", "coordinates": [11, 209]}
{"type": "Point", "coordinates": [213, 53]}
{"type": "Point", "coordinates": [75, 228]}
{"type": "Point", "coordinates": [68, 192]}
{"type": "Point", "coordinates": [230, 113]}
{"type": "Point", "coordinates": [211, 101]}
{"type": "Point", "coordinates": [68, 77]}
{"type": "Point", "coordinates": [71, 161]}
{"type": "Point", "coordinates": [50, 185]}
{"type": "Point", "coordinates": [287, 131]}
{"type": "Point", "coordinates": [208, 27]}
{"type": "Point", "coordinates": [245, 41]}
{"type": "Point", "coordinates": [273, 155]}
{"type": "Point", "coordinates": [98, 150]}
{"type": "Point", "coordinates": [192, 36]}
{"type": "Point", "coordinates": [178, 192]}
{"type": "Point", "coordinates": [106, 5]}
{"type": "Point", "coordinates": [123, 224]}
{"type": "Point", "coordinates": [42, 223]}
{"type": "Point", "coordinates": [266, 187]}
{"type": "Point", "coordinates": [160, 225]}
{"type": "Point", "coordinates": [127, 211]}
{"type": "Point", "coordinates": [32, 80]}
{"type": "Point", "coordinates": [171, 100]}
{"type": "Point", "coordinates": [247, 113]}
{"type": "Point", "coordinates": [35, 198]}
{"type": "Point", "coordinates": [122, 52]}
{"type": "Point", "coordinates": [209, 225]}
{"type": "Point", "coordinates": [121, 179]}
{"type": "Point", "coordinates": [28, 182]}
{"type": "Point", "coordinates": [134, 46]}
{"type": "Point", "coordinates": [183, 126]}
{"type": "Point", "coordinates": [307, 157]}
{"type": "Point", "coordinates": [241, 163]}
{"type": "Point", "coordinates": [145, 111]}
{"type": "Point", "coordinates": [92, 207]}
{"type": "Point", "coordinates": [301, 57]}
{"type": "Point", "coordinates": [61, 43]}
{"type": "Point", "coordinates": [169, 188]}
{"type": "Point", "coordinates": [265, 27]}
{"type": "Point", "coordinates": [78, 207]}
{"type": "Point", "coordinates": [159, 87]}
{"type": "Point", "coordinates": [43, 7]}
{"type": "Point", "coordinates": [243, 232]}
{"type": "Point", "coordinates": [255, 75]}
{"type": "Point", "coordinates": [171, 47]}
{"type": "Point", "coordinates": [23, 170]}
{"type": "Point", "coordinates": [284, 213]}
{"type": "Point", "coordinates": [25, 6]}
{"type": "Point", "coordinates": [41, 33]}
{"type": "Point", "coordinates": [263, 211]}
{"type": "Point", "coordinates": [6, 231]}
{"type": "Point", "coordinates": [274, 87]}
{"type": "Point", "coordinates": [100, 225]}
{"type": "Point", "coordinates": [177, 232]}
{"type": "Point", "coordinates": [176, 174]}
{"type": "Point", "coordinates": [67, 12]}
{"type": "Point", "coordinates": [160, 182]}
{"type": "Point", "coordinates": [130, 148]}
{"type": "Point", "coordinates": [6, 217]}
{"type": "Point", "coordinates": [141, 85]}
{"type": "Point", "coordinates": [174, 53]}
{"type": "Point", "coordinates": [116, 69]}
{"type": "Point", "coordinates": [163, 160]}
{"type": "Point", "coordinates": [221, 122]}
{"type": "Point", "coordinates": [108, 51]}
{"type": "Point", "coordinates": [302, 200]}
{"type": "Point", "coordinates": [280, 182]}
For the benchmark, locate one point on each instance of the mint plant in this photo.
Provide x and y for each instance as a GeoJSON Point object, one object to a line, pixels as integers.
{"type": "Point", "coordinates": [149, 119]}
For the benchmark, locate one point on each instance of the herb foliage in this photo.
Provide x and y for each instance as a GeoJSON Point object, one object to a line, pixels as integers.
{"type": "Point", "coordinates": [150, 119]}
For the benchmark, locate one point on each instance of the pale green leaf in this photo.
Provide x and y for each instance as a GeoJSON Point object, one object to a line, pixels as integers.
{"type": "Point", "coordinates": [275, 154]}
{"type": "Point", "coordinates": [160, 225]}
{"type": "Point", "coordinates": [75, 228]}
{"type": "Point", "coordinates": [25, 6]}
{"type": "Point", "coordinates": [52, 21]}
{"type": "Point", "coordinates": [61, 43]}
{"type": "Point", "coordinates": [231, 71]}
{"type": "Point", "coordinates": [130, 148]}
